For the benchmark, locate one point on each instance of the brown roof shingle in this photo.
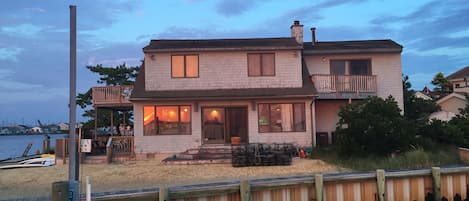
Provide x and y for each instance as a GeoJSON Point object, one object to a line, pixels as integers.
{"type": "Point", "coordinates": [225, 44]}
{"type": "Point", "coordinates": [359, 46]}
{"type": "Point", "coordinates": [460, 74]}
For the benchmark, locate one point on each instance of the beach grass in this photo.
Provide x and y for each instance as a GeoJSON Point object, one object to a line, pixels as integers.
{"type": "Point", "coordinates": [37, 182]}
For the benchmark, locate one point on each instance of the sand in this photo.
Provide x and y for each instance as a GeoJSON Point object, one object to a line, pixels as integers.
{"type": "Point", "coordinates": [37, 182]}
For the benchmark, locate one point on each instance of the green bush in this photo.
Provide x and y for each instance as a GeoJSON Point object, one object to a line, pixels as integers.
{"type": "Point", "coordinates": [373, 127]}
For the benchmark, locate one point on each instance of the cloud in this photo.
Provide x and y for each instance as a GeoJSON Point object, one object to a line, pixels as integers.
{"type": "Point", "coordinates": [36, 9]}
{"type": "Point", "coordinates": [236, 7]}
{"type": "Point", "coordinates": [10, 54]}
{"type": "Point", "coordinates": [22, 30]}
{"type": "Point", "coordinates": [431, 25]}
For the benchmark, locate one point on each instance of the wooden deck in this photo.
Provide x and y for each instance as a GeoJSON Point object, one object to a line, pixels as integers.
{"type": "Point", "coordinates": [112, 96]}
{"type": "Point", "coordinates": [344, 86]}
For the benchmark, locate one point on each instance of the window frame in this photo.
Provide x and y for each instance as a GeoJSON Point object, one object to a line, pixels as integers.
{"type": "Point", "coordinates": [260, 64]}
{"type": "Point", "coordinates": [185, 65]}
{"type": "Point", "coordinates": [348, 66]}
{"type": "Point", "coordinates": [270, 117]}
{"type": "Point", "coordinates": [179, 120]}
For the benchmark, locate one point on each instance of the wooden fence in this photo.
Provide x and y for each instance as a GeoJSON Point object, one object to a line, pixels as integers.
{"type": "Point", "coordinates": [111, 95]}
{"type": "Point", "coordinates": [418, 185]}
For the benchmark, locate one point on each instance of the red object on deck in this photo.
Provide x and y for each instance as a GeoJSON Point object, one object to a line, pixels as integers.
{"type": "Point", "coordinates": [302, 153]}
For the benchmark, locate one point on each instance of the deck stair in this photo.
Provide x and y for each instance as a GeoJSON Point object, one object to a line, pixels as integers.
{"type": "Point", "coordinates": [95, 159]}
{"type": "Point", "coordinates": [205, 154]}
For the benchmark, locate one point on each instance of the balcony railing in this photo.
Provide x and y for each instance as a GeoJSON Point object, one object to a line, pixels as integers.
{"type": "Point", "coordinates": [112, 95]}
{"type": "Point", "coordinates": [344, 83]}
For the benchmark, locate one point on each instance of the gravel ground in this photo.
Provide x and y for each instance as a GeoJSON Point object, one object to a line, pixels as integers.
{"type": "Point", "coordinates": [37, 182]}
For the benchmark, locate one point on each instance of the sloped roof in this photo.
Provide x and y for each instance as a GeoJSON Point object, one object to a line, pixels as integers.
{"type": "Point", "coordinates": [460, 74]}
{"type": "Point", "coordinates": [222, 44]}
{"type": "Point", "coordinates": [139, 92]}
{"type": "Point", "coordinates": [358, 46]}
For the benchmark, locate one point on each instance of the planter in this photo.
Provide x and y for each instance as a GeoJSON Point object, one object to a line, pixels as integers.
{"type": "Point", "coordinates": [235, 140]}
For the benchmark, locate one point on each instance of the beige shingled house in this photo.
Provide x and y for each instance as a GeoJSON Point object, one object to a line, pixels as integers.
{"type": "Point", "coordinates": [192, 93]}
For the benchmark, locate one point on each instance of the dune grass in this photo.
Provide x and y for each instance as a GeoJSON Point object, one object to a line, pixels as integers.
{"type": "Point", "coordinates": [414, 159]}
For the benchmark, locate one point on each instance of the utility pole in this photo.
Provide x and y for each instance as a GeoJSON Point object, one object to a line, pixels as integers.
{"type": "Point", "coordinates": [73, 173]}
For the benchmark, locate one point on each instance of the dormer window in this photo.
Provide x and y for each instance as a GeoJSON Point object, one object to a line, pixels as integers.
{"type": "Point", "coordinates": [185, 66]}
{"type": "Point", "coordinates": [261, 64]}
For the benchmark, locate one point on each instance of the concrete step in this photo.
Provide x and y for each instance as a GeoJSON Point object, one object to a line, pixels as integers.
{"type": "Point", "coordinates": [94, 160]}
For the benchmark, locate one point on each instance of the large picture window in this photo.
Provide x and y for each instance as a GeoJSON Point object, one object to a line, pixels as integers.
{"type": "Point", "coordinates": [282, 117]}
{"type": "Point", "coordinates": [184, 66]}
{"type": "Point", "coordinates": [261, 64]}
{"type": "Point", "coordinates": [166, 120]}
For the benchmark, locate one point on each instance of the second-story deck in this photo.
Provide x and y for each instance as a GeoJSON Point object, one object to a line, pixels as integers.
{"type": "Point", "coordinates": [112, 96]}
{"type": "Point", "coordinates": [344, 86]}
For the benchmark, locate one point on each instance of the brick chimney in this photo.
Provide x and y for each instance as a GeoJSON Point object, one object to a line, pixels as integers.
{"type": "Point", "coordinates": [313, 35]}
{"type": "Point", "coordinates": [297, 31]}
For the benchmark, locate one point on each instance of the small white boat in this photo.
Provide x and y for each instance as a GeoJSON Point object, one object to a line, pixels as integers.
{"type": "Point", "coordinates": [42, 161]}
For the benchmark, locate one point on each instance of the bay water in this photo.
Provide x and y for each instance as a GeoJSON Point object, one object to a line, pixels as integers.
{"type": "Point", "coordinates": [14, 145]}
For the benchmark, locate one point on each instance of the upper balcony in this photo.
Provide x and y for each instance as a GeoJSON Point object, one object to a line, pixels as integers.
{"type": "Point", "coordinates": [344, 86]}
{"type": "Point", "coordinates": [112, 96]}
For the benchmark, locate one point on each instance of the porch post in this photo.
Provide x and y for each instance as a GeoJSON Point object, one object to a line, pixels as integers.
{"type": "Point", "coordinates": [96, 123]}
{"type": "Point", "coordinates": [112, 122]}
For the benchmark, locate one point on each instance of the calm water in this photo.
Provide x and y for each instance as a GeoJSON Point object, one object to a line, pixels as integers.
{"type": "Point", "coordinates": [13, 146]}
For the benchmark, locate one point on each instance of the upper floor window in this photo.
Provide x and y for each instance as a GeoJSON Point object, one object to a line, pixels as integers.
{"type": "Point", "coordinates": [261, 64]}
{"type": "Point", "coordinates": [351, 67]}
{"type": "Point", "coordinates": [184, 66]}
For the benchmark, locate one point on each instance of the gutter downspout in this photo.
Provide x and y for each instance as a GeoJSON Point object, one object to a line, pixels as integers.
{"type": "Point", "coordinates": [313, 121]}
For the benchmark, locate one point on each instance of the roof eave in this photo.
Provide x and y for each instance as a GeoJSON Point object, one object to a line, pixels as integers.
{"type": "Point", "coordinates": [136, 99]}
{"type": "Point", "coordinates": [352, 51]}
{"type": "Point", "coordinates": [148, 50]}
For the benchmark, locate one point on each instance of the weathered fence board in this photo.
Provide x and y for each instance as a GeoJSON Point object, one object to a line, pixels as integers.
{"type": "Point", "coordinates": [395, 186]}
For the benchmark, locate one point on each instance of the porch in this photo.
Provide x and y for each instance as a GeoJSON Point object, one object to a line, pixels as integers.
{"type": "Point", "coordinates": [105, 149]}
{"type": "Point", "coordinates": [344, 86]}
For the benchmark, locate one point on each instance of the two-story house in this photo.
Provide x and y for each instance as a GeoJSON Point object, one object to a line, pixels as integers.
{"type": "Point", "coordinates": [268, 90]}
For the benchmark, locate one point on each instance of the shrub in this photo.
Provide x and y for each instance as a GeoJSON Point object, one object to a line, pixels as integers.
{"type": "Point", "coordinates": [374, 126]}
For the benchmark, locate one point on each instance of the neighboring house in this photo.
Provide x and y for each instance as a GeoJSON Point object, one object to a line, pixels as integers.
{"type": "Point", "coordinates": [424, 94]}
{"type": "Point", "coordinates": [452, 103]}
{"type": "Point", "coordinates": [450, 106]}
{"type": "Point", "coordinates": [63, 126]}
{"type": "Point", "coordinates": [459, 80]}
{"type": "Point", "coordinates": [191, 93]}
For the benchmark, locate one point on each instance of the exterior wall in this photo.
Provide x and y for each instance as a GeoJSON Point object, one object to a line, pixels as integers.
{"type": "Point", "coordinates": [180, 143]}
{"type": "Point", "coordinates": [452, 105]}
{"type": "Point", "coordinates": [326, 115]}
{"type": "Point", "coordinates": [223, 70]}
{"type": "Point", "coordinates": [462, 86]}
{"type": "Point", "coordinates": [387, 67]}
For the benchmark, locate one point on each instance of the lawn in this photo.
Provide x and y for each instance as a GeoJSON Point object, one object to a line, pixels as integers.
{"type": "Point", "coordinates": [414, 159]}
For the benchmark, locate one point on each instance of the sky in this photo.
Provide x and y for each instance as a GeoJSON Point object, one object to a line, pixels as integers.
{"type": "Point", "coordinates": [34, 38]}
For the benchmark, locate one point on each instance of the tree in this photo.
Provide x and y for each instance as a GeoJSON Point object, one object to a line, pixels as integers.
{"type": "Point", "coordinates": [416, 109]}
{"type": "Point", "coordinates": [373, 127]}
{"type": "Point", "coordinates": [442, 84]}
{"type": "Point", "coordinates": [109, 76]}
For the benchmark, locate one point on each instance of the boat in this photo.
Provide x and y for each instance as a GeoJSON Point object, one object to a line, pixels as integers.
{"type": "Point", "coordinates": [43, 160]}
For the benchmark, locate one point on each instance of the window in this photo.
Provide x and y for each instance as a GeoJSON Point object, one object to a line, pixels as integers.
{"type": "Point", "coordinates": [282, 117]}
{"type": "Point", "coordinates": [169, 120]}
{"type": "Point", "coordinates": [185, 66]}
{"type": "Point", "coordinates": [351, 67]}
{"type": "Point", "coordinates": [261, 64]}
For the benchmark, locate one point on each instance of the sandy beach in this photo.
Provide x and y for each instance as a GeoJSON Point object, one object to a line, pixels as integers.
{"type": "Point", "coordinates": [37, 182]}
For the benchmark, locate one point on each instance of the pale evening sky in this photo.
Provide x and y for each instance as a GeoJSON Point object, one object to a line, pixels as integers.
{"type": "Point", "coordinates": [34, 38]}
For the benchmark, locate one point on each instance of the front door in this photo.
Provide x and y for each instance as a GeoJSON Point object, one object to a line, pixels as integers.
{"type": "Point", "coordinates": [219, 124]}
